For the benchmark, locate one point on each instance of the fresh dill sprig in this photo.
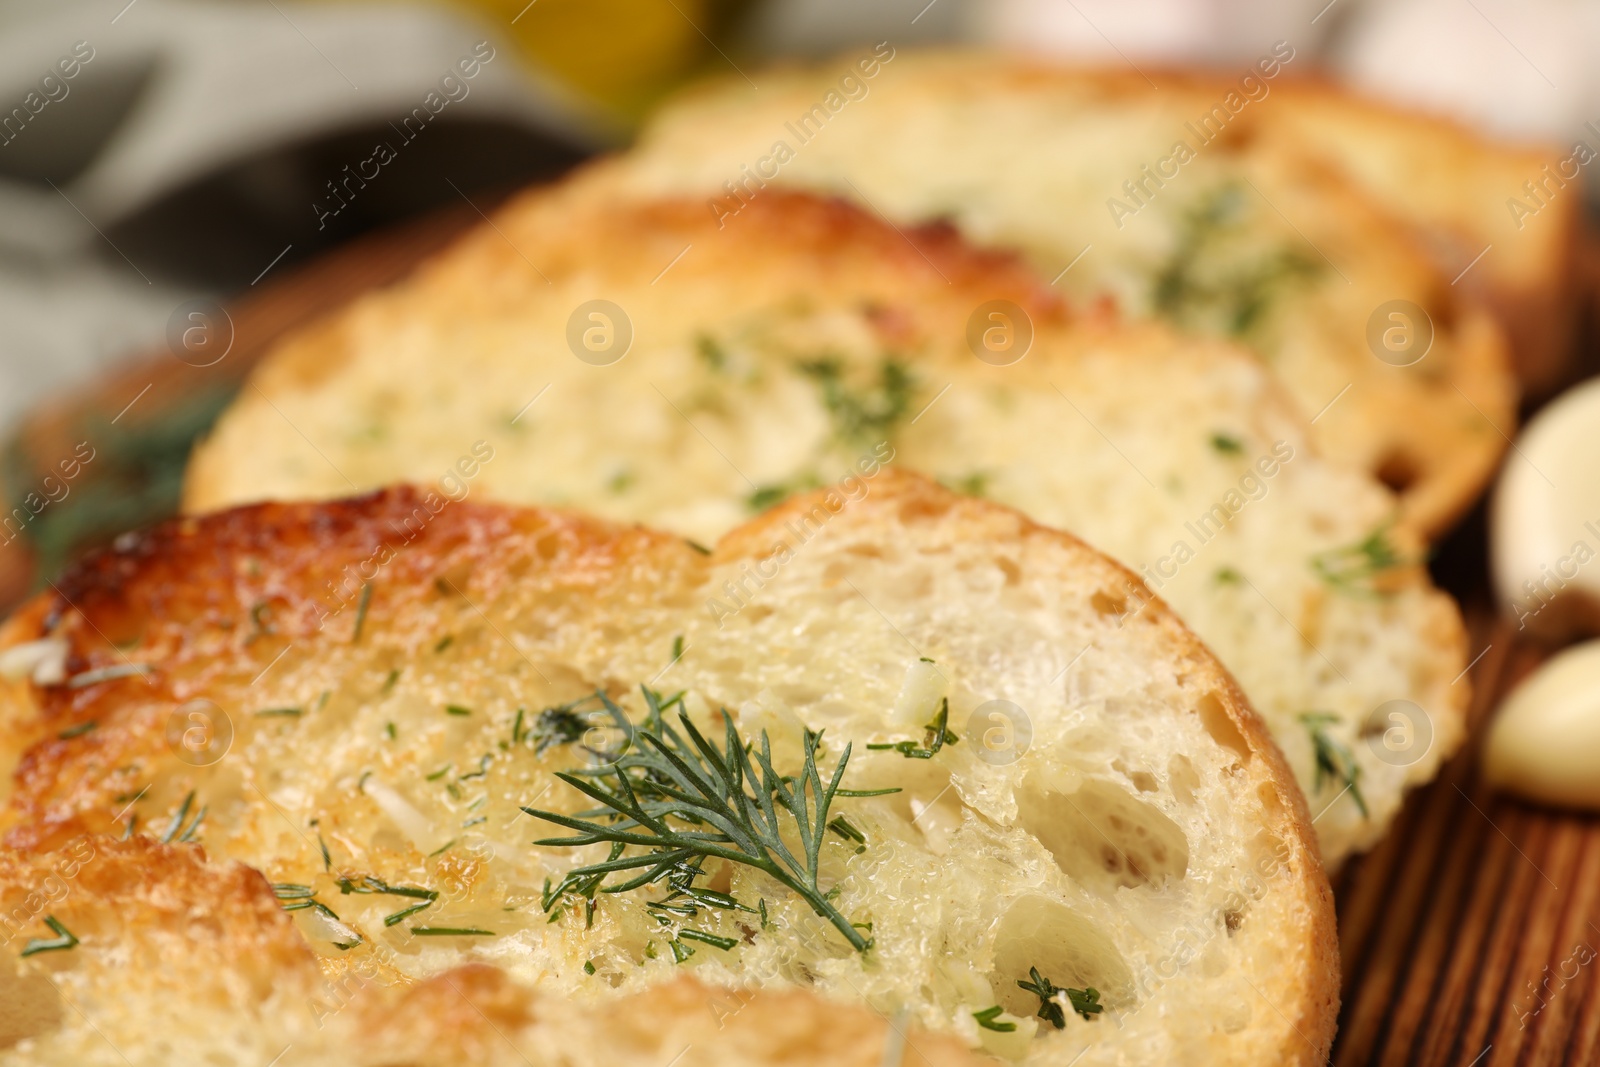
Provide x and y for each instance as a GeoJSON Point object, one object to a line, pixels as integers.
{"type": "Point", "coordinates": [1086, 1002]}
{"type": "Point", "coordinates": [1334, 759]}
{"type": "Point", "coordinates": [989, 1019]}
{"type": "Point", "coordinates": [683, 798]}
{"type": "Point", "coordinates": [64, 939]}
{"type": "Point", "coordinates": [936, 734]}
{"type": "Point", "coordinates": [1357, 568]}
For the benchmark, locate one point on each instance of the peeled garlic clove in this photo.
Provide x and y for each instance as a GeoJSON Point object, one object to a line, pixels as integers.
{"type": "Point", "coordinates": [1545, 548]}
{"type": "Point", "coordinates": [44, 660]}
{"type": "Point", "coordinates": [920, 693]}
{"type": "Point", "coordinates": [1545, 743]}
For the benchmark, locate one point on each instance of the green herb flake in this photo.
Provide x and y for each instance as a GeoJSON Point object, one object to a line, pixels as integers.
{"type": "Point", "coordinates": [450, 931]}
{"type": "Point", "coordinates": [444, 642]}
{"type": "Point", "coordinates": [712, 353]}
{"type": "Point", "coordinates": [680, 951]}
{"type": "Point", "coordinates": [1086, 1002]}
{"type": "Point", "coordinates": [456, 709]}
{"type": "Point", "coordinates": [77, 731]}
{"type": "Point", "coordinates": [176, 830]}
{"type": "Point", "coordinates": [64, 939]}
{"type": "Point", "coordinates": [1334, 759]}
{"type": "Point", "coordinates": [862, 413]}
{"type": "Point", "coordinates": [405, 913]}
{"type": "Point", "coordinates": [1358, 569]}
{"type": "Point", "coordinates": [390, 730]}
{"type": "Point", "coordinates": [588, 966]}
{"type": "Point", "coordinates": [280, 713]}
{"type": "Point", "coordinates": [989, 1019]}
{"type": "Point", "coordinates": [361, 612]}
{"type": "Point", "coordinates": [936, 734]}
{"type": "Point", "coordinates": [1227, 444]}
{"type": "Point", "coordinates": [715, 940]}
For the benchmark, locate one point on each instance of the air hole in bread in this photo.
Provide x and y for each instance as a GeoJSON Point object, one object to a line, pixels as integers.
{"type": "Point", "coordinates": [1143, 781]}
{"type": "Point", "coordinates": [1220, 725]}
{"type": "Point", "coordinates": [1067, 948]}
{"type": "Point", "coordinates": [1104, 837]}
{"type": "Point", "coordinates": [1183, 779]}
{"type": "Point", "coordinates": [32, 1005]}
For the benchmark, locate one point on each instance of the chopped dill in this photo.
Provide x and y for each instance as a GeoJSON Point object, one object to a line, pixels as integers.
{"type": "Point", "coordinates": [1334, 759]}
{"type": "Point", "coordinates": [361, 611]}
{"type": "Point", "coordinates": [64, 939]}
{"type": "Point", "coordinates": [1357, 569]}
{"type": "Point", "coordinates": [1086, 1002]}
{"type": "Point", "coordinates": [1227, 444]}
{"type": "Point", "coordinates": [935, 736]}
{"type": "Point", "coordinates": [989, 1019]}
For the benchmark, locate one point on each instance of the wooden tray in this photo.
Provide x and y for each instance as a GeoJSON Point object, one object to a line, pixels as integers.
{"type": "Point", "coordinates": [1455, 931]}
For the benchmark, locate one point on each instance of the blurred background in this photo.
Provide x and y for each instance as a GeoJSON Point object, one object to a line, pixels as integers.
{"type": "Point", "coordinates": [183, 180]}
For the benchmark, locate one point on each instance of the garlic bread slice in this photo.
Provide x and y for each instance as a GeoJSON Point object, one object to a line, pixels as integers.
{"type": "Point", "coordinates": [1223, 226]}
{"type": "Point", "coordinates": [779, 350]}
{"type": "Point", "coordinates": [975, 796]}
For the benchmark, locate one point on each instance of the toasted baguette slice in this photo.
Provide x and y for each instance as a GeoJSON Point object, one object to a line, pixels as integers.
{"type": "Point", "coordinates": [1470, 197]}
{"type": "Point", "coordinates": [1121, 821]}
{"type": "Point", "coordinates": [180, 961]}
{"type": "Point", "coordinates": [779, 350]}
{"type": "Point", "coordinates": [1246, 236]}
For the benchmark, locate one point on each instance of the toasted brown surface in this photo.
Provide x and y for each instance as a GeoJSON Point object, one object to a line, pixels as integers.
{"type": "Point", "coordinates": [1002, 604]}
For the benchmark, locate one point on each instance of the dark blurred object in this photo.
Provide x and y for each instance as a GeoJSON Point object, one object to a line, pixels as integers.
{"type": "Point", "coordinates": [219, 233]}
{"type": "Point", "coordinates": [141, 421]}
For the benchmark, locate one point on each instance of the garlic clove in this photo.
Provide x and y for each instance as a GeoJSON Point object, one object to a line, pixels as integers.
{"type": "Point", "coordinates": [44, 661]}
{"type": "Point", "coordinates": [1545, 521]}
{"type": "Point", "coordinates": [1544, 745]}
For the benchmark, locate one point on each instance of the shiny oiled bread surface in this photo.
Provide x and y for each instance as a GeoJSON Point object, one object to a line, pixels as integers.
{"type": "Point", "coordinates": [1246, 232]}
{"type": "Point", "coordinates": [1147, 840]}
{"type": "Point", "coordinates": [184, 961]}
{"type": "Point", "coordinates": [772, 353]}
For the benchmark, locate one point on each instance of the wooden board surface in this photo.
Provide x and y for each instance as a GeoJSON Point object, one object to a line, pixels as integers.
{"type": "Point", "coordinates": [1469, 935]}
{"type": "Point", "coordinates": [1460, 934]}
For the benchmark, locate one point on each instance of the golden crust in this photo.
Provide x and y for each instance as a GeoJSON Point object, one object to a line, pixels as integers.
{"type": "Point", "coordinates": [184, 591]}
